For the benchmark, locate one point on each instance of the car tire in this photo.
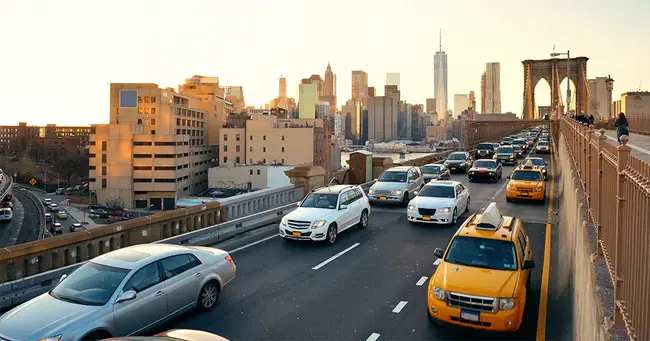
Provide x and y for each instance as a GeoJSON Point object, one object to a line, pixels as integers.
{"type": "Point", "coordinates": [467, 207]}
{"type": "Point", "coordinates": [209, 295]}
{"type": "Point", "coordinates": [508, 199]}
{"type": "Point", "coordinates": [332, 232]}
{"type": "Point", "coordinates": [454, 217]}
{"type": "Point", "coordinates": [96, 336]}
{"type": "Point", "coordinates": [405, 199]}
{"type": "Point", "coordinates": [363, 221]}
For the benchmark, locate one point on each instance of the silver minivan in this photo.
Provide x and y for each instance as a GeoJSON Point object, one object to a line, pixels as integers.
{"type": "Point", "coordinates": [397, 185]}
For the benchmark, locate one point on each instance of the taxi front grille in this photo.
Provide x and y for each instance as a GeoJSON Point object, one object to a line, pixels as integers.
{"type": "Point", "coordinates": [524, 189]}
{"type": "Point", "coordinates": [478, 303]}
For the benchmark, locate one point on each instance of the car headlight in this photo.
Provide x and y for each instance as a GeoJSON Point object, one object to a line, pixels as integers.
{"type": "Point", "coordinates": [472, 173]}
{"type": "Point", "coordinates": [511, 156]}
{"type": "Point", "coordinates": [445, 209]}
{"type": "Point", "coordinates": [318, 223]}
{"type": "Point", "coordinates": [511, 187]}
{"type": "Point", "coordinates": [51, 338]}
{"type": "Point", "coordinates": [490, 173]}
{"type": "Point", "coordinates": [506, 303]}
{"type": "Point", "coordinates": [438, 293]}
{"type": "Point", "coordinates": [412, 208]}
{"type": "Point", "coordinates": [371, 191]}
{"type": "Point", "coordinates": [538, 189]}
{"type": "Point", "coordinates": [396, 192]}
{"type": "Point", "coordinates": [283, 221]}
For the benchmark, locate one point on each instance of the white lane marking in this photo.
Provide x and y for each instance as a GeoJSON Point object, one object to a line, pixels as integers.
{"type": "Point", "coordinates": [373, 337]}
{"type": "Point", "coordinates": [254, 243]}
{"type": "Point", "coordinates": [335, 257]}
{"type": "Point", "coordinates": [642, 150]}
{"type": "Point", "coordinates": [399, 307]}
{"type": "Point", "coordinates": [422, 280]}
{"type": "Point", "coordinates": [437, 262]}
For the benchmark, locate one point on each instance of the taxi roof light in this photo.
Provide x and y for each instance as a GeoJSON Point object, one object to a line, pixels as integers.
{"type": "Point", "coordinates": [491, 218]}
{"type": "Point", "coordinates": [529, 165]}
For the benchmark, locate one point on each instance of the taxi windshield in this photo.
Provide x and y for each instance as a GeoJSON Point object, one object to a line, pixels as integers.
{"type": "Point", "coordinates": [483, 253]}
{"type": "Point", "coordinates": [485, 164]}
{"type": "Point", "coordinates": [526, 176]}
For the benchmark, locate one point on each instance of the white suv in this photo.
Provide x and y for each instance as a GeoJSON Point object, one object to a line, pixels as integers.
{"type": "Point", "coordinates": [326, 212]}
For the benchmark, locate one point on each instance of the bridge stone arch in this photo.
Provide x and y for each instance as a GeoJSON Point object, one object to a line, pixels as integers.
{"type": "Point", "coordinates": [554, 72]}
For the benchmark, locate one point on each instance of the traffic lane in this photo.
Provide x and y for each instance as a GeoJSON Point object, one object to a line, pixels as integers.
{"type": "Point", "coordinates": [9, 230]}
{"type": "Point", "coordinates": [268, 274]}
{"type": "Point", "coordinates": [57, 199]}
{"type": "Point", "coordinates": [29, 231]}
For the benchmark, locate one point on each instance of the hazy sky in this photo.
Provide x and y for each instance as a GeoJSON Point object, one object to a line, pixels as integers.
{"type": "Point", "coordinates": [58, 57]}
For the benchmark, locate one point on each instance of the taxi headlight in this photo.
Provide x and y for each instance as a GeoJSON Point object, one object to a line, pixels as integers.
{"type": "Point", "coordinates": [411, 208]}
{"type": "Point", "coordinates": [445, 209]}
{"type": "Point", "coordinates": [538, 189]}
{"type": "Point", "coordinates": [438, 293]}
{"type": "Point", "coordinates": [283, 221]}
{"type": "Point", "coordinates": [318, 223]}
{"type": "Point", "coordinates": [511, 187]}
{"type": "Point", "coordinates": [506, 303]}
{"type": "Point", "coordinates": [397, 192]}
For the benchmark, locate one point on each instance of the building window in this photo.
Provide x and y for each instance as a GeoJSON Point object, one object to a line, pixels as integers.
{"type": "Point", "coordinates": [237, 160]}
{"type": "Point", "coordinates": [225, 159]}
{"type": "Point", "coordinates": [153, 99]}
{"type": "Point", "coordinates": [251, 172]}
{"type": "Point", "coordinates": [258, 172]}
{"type": "Point", "coordinates": [153, 121]}
{"type": "Point", "coordinates": [140, 110]}
{"type": "Point", "coordinates": [264, 161]}
{"type": "Point", "coordinates": [139, 121]}
{"type": "Point", "coordinates": [153, 111]}
{"type": "Point", "coordinates": [237, 149]}
{"type": "Point", "coordinates": [153, 132]}
{"type": "Point", "coordinates": [139, 99]}
{"type": "Point", "coordinates": [250, 149]}
{"type": "Point", "coordinates": [264, 149]}
{"type": "Point", "coordinates": [282, 161]}
{"type": "Point", "coordinates": [146, 99]}
{"type": "Point", "coordinates": [178, 131]}
{"type": "Point", "coordinates": [283, 149]}
{"type": "Point", "coordinates": [225, 148]}
{"type": "Point", "coordinates": [103, 158]}
{"type": "Point", "coordinates": [146, 111]}
{"type": "Point", "coordinates": [251, 161]}
{"type": "Point", "coordinates": [237, 137]}
{"type": "Point", "coordinates": [225, 137]}
{"type": "Point", "coordinates": [264, 137]}
{"type": "Point", "coordinates": [104, 146]}
{"type": "Point", "coordinates": [251, 137]}
{"type": "Point", "coordinates": [103, 170]}
{"type": "Point", "coordinates": [282, 137]}
{"type": "Point", "coordinates": [104, 183]}
{"type": "Point", "coordinates": [178, 121]}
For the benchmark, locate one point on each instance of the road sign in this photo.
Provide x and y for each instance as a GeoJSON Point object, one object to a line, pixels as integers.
{"type": "Point", "coordinates": [32, 181]}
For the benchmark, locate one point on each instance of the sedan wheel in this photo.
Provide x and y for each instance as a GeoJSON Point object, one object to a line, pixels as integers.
{"type": "Point", "coordinates": [454, 218]}
{"type": "Point", "coordinates": [208, 296]}
{"type": "Point", "coordinates": [467, 208]}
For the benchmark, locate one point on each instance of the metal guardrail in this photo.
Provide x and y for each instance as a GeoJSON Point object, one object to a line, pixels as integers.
{"type": "Point", "coordinates": [22, 290]}
{"type": "Point", "coordinates": [7, 185]}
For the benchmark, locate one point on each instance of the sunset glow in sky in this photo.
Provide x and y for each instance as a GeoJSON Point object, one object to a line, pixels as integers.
{"type": "Point", "coordinates": [57, 58]}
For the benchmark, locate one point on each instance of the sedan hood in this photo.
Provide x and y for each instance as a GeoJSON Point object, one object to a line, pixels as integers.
{"type": "Point", "coordinates": [463, 279]}
{"type": "Point", "coordinates": [455, 162]}
{"type": "Point", "coordinates": [43, 316]}
{"type": "Point", "coordinates": [388, 186]}
{"type": "Point", "coordinates": [309, 213]}
{"type": "Point", "coordinates": [431, 202]}
{"type": "Point", "coordinates": [481, 169]}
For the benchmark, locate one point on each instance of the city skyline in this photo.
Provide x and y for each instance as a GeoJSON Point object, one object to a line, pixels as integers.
{"type": "Point", "coordinates": [50, 49]}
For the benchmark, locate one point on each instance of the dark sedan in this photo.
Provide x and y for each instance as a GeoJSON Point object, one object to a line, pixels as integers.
{"type": "Point", "coordinates": [435, 171]}
{"type": "Point", "coordinates": [506, 155]}
{"type": "Point", "coordinates": [458, 162]}
{"type": "Point", "coordinates": [485, 169]}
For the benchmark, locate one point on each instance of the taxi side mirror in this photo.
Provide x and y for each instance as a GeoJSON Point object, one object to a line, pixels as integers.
{"type": "Point", "coordinates": [438, 252]}
{"type": "Point", "coordinates": [508, 177]}
{"type": "Point", "coordinates": [528, 264]}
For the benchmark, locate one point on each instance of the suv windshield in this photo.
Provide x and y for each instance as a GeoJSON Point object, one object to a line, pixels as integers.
{"type": "Point", "coordinates": [90, 284]}
{"type": "Point", "coordinates": [431, 170]}
{"type": "Point", "coordinates": [392, 177]}
{"type": "Point", "coordinates": [483, 253]}
{"type": "Point", "coordinates": [526, 176]}
{"type": "Point", "coordinates": [485, 164]}
{"type": "Point", "coordinates": [484, 146]}
{"type": "Point", "coordinates": [437, 192]}
{"type": "Point", "coordinates": [321, 200]}
{"type": "Point", "coordinates": [456, 156]}
{"type": "Point", "coordinates": [536, 162]}
{"type": "Point", "coordinates": [505, 150]}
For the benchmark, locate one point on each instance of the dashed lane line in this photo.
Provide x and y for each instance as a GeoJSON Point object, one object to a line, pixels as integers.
{"type": "Point", "coordinates": [437, 262]}
{"type": "Point", "coordinates": [373, 337]}
{"type": "Point", "coordinates": [254, 243]}
{"type": "Point", "coordinates": [421, 281]}
{"type": "Point", "coordinates": [400, 306]}
{"type": "Point", "coordinates": [327, 261]}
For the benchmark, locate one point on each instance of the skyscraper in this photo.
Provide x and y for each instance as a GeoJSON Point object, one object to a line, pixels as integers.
{"type": "Point", "coordinates": [483, 85]}
{"type": "Point", "coordinates": [492, 88]}
{"type": "Point", "coordinates": [360, 87]}
{"type": "Point", "coordinates": [307, 97]}
{"type": "Point", "coordinates": [461, 102]}
{"type": "Point", "coordinates": [283, 87]}
{"type": "Point", "coordinates": [440, 81]}
{"type": "Point", "coordinates": [392, 79]}
{"type": "Point", "coordinates": [329, 89]}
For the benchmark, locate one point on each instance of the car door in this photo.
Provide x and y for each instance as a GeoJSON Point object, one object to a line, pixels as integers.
{"type": "Point", "coordinates": [345, 215]}
{"type": "Point", "coordinates": [183, 277]}
{"type": "Point", "coordinates": [148, 307]}
{"type": "Point", "coordinates": [412, 185]}
{"type": "Point", "coordinates": [354, 206]}
{"type": "Point", "coordinates": [419, 178]}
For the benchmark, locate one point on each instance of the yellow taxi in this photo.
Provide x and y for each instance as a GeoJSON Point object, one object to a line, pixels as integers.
{"type": "Point", "coordinates": [483, 277]}
{"type": "Point", "coordinates": [526, 183]}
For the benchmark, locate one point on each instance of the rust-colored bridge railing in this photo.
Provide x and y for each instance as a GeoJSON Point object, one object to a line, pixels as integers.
{"type": "Point", "coordinates": [639, 124]}
{"type": "Point", "coordinates": [617, 187]}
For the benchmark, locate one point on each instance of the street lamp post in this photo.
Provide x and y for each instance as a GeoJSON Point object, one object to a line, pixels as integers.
{"type": "Point", "coordinates": [568, 80]}
{"type": "Point", "coordinates": [609, 82]}
{"type": "Point", "coordinates": [44, 177]}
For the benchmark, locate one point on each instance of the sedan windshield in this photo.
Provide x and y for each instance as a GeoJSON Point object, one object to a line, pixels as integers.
{"type": "Point", "coordinates": [431, 170]}
{"type": "Point", "coordinates": [393, 177]}
{"type": "Point", "coordinates": [485, 164]}
{"type": "Point", "coordinates": [321, 200]}
{"type": "Point", "coordinates": [505, 150]}
{"type": "Point", "coordinates": [456, 156]}
{"type": "Point", "coordinates": [483, 253]}
{"type": "Point", "coordinates": [536, 162]}
{"type": "Point", "coordinates": [437, 192]}
{"type": "Point", "coordinates": [526, 176]}
{"type": "Point", "coordinates": [90, 284]}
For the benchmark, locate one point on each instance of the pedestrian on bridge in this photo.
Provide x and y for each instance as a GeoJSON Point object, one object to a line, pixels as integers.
{"type": "Point", "coordinates": [622, 127]}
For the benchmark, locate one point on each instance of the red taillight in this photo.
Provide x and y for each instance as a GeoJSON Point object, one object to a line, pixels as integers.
{"type": "Point", "coordinates": [228, 258]}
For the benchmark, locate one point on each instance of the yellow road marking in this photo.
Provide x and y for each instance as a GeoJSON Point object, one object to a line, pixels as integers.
{"type": "Point", "coordinates": [543, 296]}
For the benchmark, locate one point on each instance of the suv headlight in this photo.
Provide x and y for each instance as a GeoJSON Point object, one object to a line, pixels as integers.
{"type": "Point", "coordinates": [506, 303]}
{"type": "Point", "coordinates": [445, 209]}
{"type": "Point", "coordinates": [412, 208]}
{"type": "Point", "coordinates": [511, 187]}
{"type": "Point", "coordinates": [283, 221]}
{"type": "Point", "coordinates": [398, 192]}
{"type": "Point", "coordinates": [371, 191]}
{"type": "Point", "coordinates": [51, 338]}
{"type": "Point", "coordinates": [438, 293]}
{"type": "Point", "coordinates": [318, 223]}
{"type": "Point", "coordinates": [538, 189]}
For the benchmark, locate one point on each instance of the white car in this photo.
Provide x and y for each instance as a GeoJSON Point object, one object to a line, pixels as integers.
{"type": "Point", "coordinates": [6, 214]}
{"type": "Point", "coordinates": [54, 208]}
{"type": "Point", "coordinates": [439, 202]}
{"type": "Point", "coordinates": [326, 212]}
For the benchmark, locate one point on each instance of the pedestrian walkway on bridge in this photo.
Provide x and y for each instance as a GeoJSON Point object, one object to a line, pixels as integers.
{"type": "Point", "coordinates": [640, 144]}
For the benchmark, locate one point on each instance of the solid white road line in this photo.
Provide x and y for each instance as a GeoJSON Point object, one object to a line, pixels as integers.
{"type": "Point", "coordinates": [373, 337]}
{"type": "Point", "coordinates": [335, 257]}
{"type": "Point", "coordinates": [422, 281]}
{"type": "Point", "coordinates": [254, 243]}
{"type": "Point", "coordinates": [400, 306]}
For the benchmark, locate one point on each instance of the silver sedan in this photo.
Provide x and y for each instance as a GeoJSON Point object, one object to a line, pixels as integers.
{"type": "Point", "coordinates": [123, 292]}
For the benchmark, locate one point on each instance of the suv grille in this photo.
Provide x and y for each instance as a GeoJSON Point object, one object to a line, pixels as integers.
{"type": "Point", "coordinates": [426, 211]}
{"type": "Point", "coordinates": [299, 224]}
{"type": "Point", "coordinates": [524, 189]}
{"type": "Point", "coordinates": [478, 303]}
{"type": "Point", "coordinates": [382, 192]}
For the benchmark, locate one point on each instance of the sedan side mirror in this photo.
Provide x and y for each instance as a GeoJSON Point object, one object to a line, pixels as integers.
{"type": "Point", "coordinates": [438, 252]}
{"type": "Point", "coordinates": [62, 278]}
{"type": "Point", "coordinates": [528, 264]}
{"type": "Point", "coordinates": [298, 203]}
{"type": "Point", "coordinates": [411, 181]}
{"type": "Point", "coordinates": [126, 296]}
{"type": "Point", "coordinates": [415, 193]}
{"type": "Point", "coordinates": [343, 207]}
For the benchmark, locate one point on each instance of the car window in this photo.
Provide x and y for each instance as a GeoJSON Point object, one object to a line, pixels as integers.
{"type": "Point", "coordinates": [437, 192]}
{"type": "Point", "coordinates": [485, 164]}
{"type": "Point", "coordinates": [536, 162]}
{"type": "Point", "coordinates": [144, 278]}
{"type": "Point", "coordinates": [526, 176]}
{"type": "Point", "coordinates": [456, 156]}
{"type": "Point", "coordinates": [176, 265]}
{"type": "Point", "coordinates": [393, 177]}
{"type": "Point", "coordinates": [90, 284]}
{"type": "Point", "coordinates": [505, 150]}
{"type": "Point", "coordinates": [320, 200]}
{"type": "Point", "coordinates": [345, 198]}
{"type": "Point", "coordinates": [522, 246]}
{"type": "Point", "coordinates": [431, 170]}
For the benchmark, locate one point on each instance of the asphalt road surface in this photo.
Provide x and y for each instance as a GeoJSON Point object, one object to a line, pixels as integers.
{"type": "Point", "coordinates": [374, 290]}
{"type": "Point", "coordinates": [57, 199]}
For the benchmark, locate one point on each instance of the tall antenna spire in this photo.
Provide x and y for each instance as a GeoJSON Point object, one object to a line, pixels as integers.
{"type": "Point", "coordinates": [440, 40]}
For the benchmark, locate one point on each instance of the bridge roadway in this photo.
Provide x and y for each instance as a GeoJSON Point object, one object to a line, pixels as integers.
{"type": "Point", "coordinates": [278, 295]}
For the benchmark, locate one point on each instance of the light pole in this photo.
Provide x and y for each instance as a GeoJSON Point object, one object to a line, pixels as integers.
{"type": "Point", "coordinates": [609, 82]}
{"type": "Point", "coordinates": [45, 177]}
{"type": "Point", "coordinates": [568, 80]}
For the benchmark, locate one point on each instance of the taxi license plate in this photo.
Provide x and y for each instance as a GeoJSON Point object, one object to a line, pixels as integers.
{"type": "Point", "coordinates": [382, 198]}
{"type": "Point", "coordinates": [524, 194]}
{"type": "Point", "coordinates": [469, 315]}
{"type": "Point", "coordinates": [297, 234]}
{"type": "Point", "coordinates": [426, 218]}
